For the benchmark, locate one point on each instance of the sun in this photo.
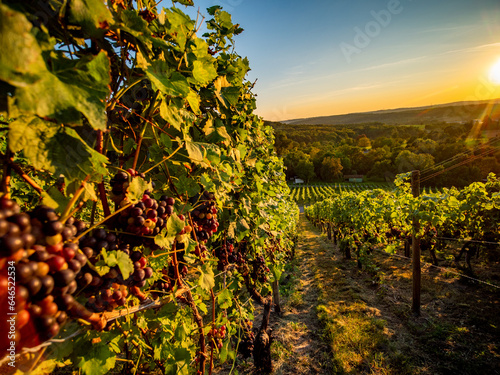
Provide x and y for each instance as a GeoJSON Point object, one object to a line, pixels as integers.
{"type": "Point", "coordinates": [494, 75]}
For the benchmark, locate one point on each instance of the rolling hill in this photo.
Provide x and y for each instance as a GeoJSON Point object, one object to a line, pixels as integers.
{"type": "Point", "coordinates": [458, 112]}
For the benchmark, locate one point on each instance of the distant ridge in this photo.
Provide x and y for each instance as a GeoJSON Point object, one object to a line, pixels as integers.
{"type": "Point", "coordinates": [450, 112]}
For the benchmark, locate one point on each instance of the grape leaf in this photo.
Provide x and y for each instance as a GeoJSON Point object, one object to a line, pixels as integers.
{"type": "Point", "coordinates": [195, 152]}
{"type": "Point", "coordinates": [224, 19]}
{"type": "Point", "coordinates": [164, 241]}
{"type": "Point", "coordinates": [185, 2]}
{"type": "Point", "coordinates": [55, 199]}
{"type": "Point", "coordinates": [171, 114]}
{"type": "Point", "coordinates": [174, 225]}
{"type": "Point", "coordinates": [181, 332]}
{"type": "Point", "coordinates": [203, 72]}
{"type": "Point", "coordinates": [125, 264]}
{"type": "Point", "coordinates": [21, 59]}
{"type": "Point", "coordinates": [165, 141]}
{"type": "Point", "coordinates": [88, 190]}
{"type": "Point", "coordinates": [101, 268]}
{"type": "Point", "coordinates": [136, 189]}
{"type": "Point", "coordinates": [45, 367]}
{"type": "Point", "coordinates": [56, 149]}
{"type": "Point", "coordinates": [92, 15]}
{"type": "Point", "coordinates": [226, 352]}
{"type": "Point", "coordinates": [134, 21]}
{"type": "Point", "coordinates": [113, 259]}
{"type": "Point", "coordinates": [99, 360]}
{"type": "Point", "coordinates": [188, 185]}
{"type": "Point", "coordinates": [182, 358]}
{"type": "Point", "coordinates": [179, 26]}
{"type": "Point", "coordinates": [194, 102]}
{"type": "Point", "coordinates": [76, 86]}
{"type": "Point", "coordinates": [206, 280]}
{"type": "Point", "coordinates": [224, 299]}
{"type": "Point", "coordinates": [163, 77]}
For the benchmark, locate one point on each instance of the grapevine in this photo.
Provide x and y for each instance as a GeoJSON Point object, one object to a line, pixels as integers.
{"type": "Point", "coordinates": [384, 218]}
{"type": "Point", "coordinates": [139, 188]}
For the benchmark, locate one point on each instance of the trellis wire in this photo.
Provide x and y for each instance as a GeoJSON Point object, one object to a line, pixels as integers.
{"type": "Point", "coordinates": [442, 268]}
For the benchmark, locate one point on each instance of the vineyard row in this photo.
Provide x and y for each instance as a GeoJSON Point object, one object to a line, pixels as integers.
{"type": "Point", "coordinates": [315, 193]}
{"type": "Point", "coordinates": [362, 221]}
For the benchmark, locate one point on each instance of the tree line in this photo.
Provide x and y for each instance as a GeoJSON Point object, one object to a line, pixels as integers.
{"type": "Point", "coordinates": [460, 152]}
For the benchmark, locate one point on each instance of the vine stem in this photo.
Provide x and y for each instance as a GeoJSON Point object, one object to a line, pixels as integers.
{"type": "Point", "coordinates": [37, 359]}
{"type": "Point", "coordinates": [6, 176]}
{"type": "Point", "coordinates": [26, 178]}
{"type": "Point", "coordinates": [195, 236]}
{"type": "Point", "coordinates": [212, 295]}
{"type": "Point", "coordinates": [102, 221]}
{"type": "Point", "coordinates": [199, 321]}
{"type": "Point", "coordinates": [71, 203]}
{"type": "Point", "coordinates": [167, 173]}
{"type": "Point", "coordinates": [196, 315]}
{"type": "Point", "coordinates": [138, 150]}
{"type": "Point", "coordinates": [165, 158]}
{"type": "Point", "coordinates": [100, 186]}
{"type": "Point", "coordinates": [148, 121]}
{"type": "Point", "coordinates": [138, 360]}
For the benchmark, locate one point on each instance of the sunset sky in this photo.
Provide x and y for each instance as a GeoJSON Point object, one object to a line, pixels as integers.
{"type": "Point", "coordinates": [325, 57]}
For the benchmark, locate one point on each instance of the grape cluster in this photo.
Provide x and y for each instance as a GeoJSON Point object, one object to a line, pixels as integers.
{"type": "Point", "coordinates": [259, 269]}
{"type": "Point", "coordinates": [204, 217]}
{"type": "Point", "coordinates": [201, 251]}
{"type": "Point", "coordinates": [108, 299]}
{"type": "Point", "coordinates": [245, 348]}
{"type": "Point", "coordinates": [394, 232]}
{"type": "Point", "coordinates": [428, 239]}
{"type": "Point", "coordinates": [168, 281]}
{"type": "Point", "coordinates": [228, 254]}
{"type": "Point", "coordinates": [217, 335]}
{"type": "Point", "coordinates": [53, 259]}
{"type": "Point", "coordinates": [108, 291]}
{"type": "Point", "coordinates": [46, 265]}
{"type": "Point", "coordinates": [120, 183]}
{"type": "Point", "coordinates": [145, 218]}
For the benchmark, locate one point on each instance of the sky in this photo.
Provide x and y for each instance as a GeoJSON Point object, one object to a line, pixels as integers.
{"type": "Point", "coordinates": [326, 57]}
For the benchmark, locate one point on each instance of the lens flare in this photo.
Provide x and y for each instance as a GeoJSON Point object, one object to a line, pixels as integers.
{"type": "Point", "coordinates": [494, 75]}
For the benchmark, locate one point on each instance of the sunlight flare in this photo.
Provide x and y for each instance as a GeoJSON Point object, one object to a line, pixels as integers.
{"type": "Point", "coordinates": [494, 75]}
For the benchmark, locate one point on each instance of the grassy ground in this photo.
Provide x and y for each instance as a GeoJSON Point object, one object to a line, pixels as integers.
{"type": "Point", "coordinates": [339, 319]}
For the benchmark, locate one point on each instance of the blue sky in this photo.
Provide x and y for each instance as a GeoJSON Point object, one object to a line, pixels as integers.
{"type": "Point", "coordinates": [324, 57]}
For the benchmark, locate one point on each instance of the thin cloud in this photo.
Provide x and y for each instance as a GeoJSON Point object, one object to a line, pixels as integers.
{"type": "Point", "coordinates": [435, 93]}
{"type": "Point", "coordinates": [472, 49]}
{"type": "Point", "coordinates": [392, 64]}
{"type": "Point", "coordinates": [453, 29]}
{"type": "Point", "coordinates": [291, 79]}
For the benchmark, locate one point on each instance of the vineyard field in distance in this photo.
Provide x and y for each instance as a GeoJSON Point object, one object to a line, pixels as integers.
{"type": "Point", "coordinates": [308, 194]}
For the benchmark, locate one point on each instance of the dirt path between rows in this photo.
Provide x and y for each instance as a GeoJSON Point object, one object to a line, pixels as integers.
{"type": "Point", "coordinates": [297, 347]}
{"type": "Point", "coordinates": [338, 319]}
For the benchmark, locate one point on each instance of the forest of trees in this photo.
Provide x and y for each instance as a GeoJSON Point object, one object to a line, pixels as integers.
{"type": "Point", "coordinates": [379, 152]}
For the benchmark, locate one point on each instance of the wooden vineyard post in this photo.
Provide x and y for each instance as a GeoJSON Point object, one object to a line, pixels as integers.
{"type": "Point", "coordinates": [416, 273]}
